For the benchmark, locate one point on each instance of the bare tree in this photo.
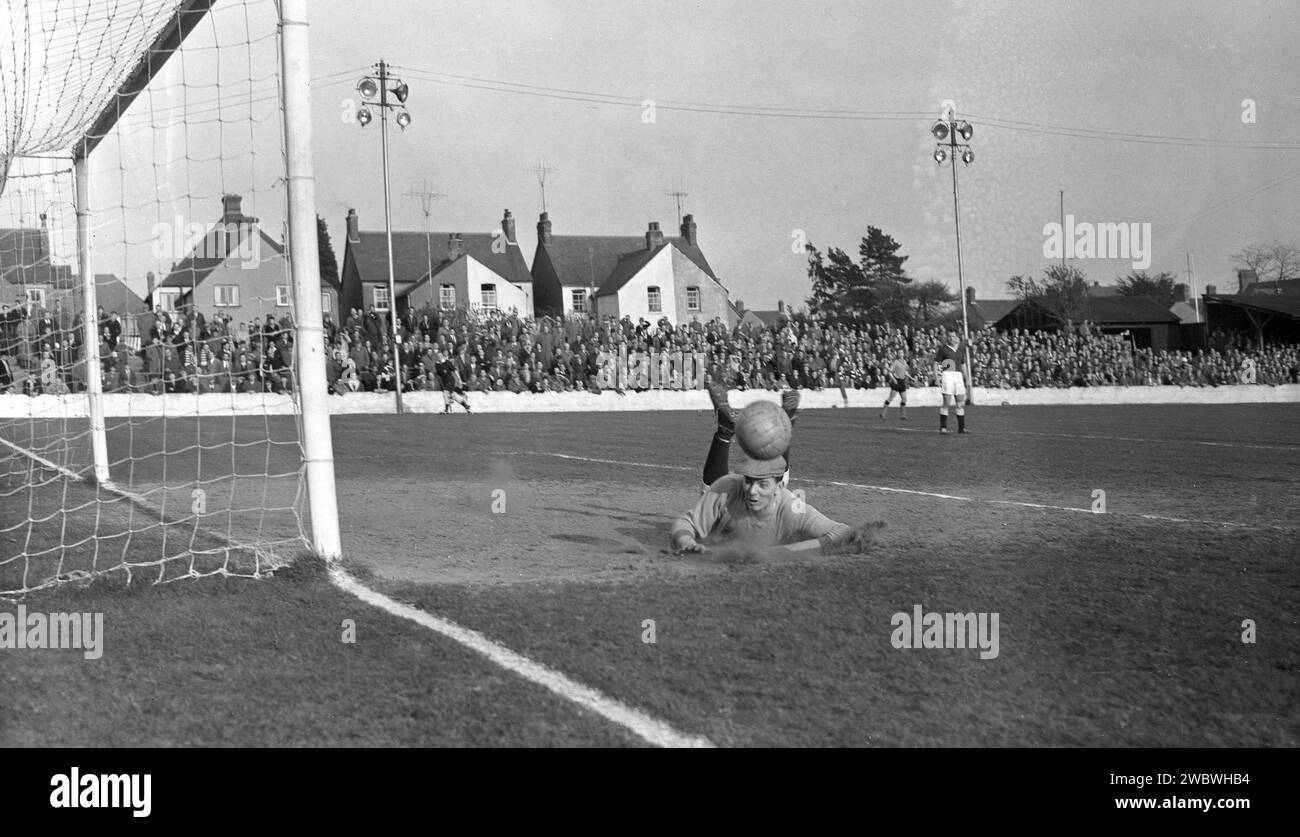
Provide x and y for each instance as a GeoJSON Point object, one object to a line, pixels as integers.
{"type": "Point", "coordinates": [1286, 260]}
{"type": "Point", "coordinates": [1060, 295]}
{"type": "Point", "coordinates": [1271, 262]}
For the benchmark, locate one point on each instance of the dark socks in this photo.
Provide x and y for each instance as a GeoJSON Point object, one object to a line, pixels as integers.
{"type": "Point", "coordinates": [717, 465]}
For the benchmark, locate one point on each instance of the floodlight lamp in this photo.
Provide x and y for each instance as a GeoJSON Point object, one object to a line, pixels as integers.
{"type": "Point", "coordinates": [364, 117]}
{"type": "Point", "coordinates": [968, 156]}
{"type": "Point", "coordinates": [403, 120]}
{"type": "Point", "coordinates": [401, 91]}
{"type": "Point", "coordinates": [940, 155]}
{"type": "Point", "coordinates": [368, 87]}
{"type": "Point", "coordinates": [940, 130]}
{"type": "Point", "coordinates": [965, 131]}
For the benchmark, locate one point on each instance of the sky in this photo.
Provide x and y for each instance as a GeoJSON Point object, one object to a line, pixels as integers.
{"type": "Point", "coordinates": [783, 123]}
{"type": "Point", "coordinates": [1062, 96]}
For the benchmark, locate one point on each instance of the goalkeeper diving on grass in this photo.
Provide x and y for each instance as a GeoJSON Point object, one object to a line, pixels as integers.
{"type": "Point", "coordinates": [748, 513]}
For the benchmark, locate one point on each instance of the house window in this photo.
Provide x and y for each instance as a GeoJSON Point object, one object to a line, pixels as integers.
{"type": "Point", "coordinates": [489, 297]}
{"type": "Point", "coordinates": [282, 297]}
{"type": "Point", "coordinates": [447, 296]}
{"type": "Point", "coordinates": [379, 297]}
{"type": "Point", "coordinates": [225, 296]}
{"type": "Point", "coordinates": [167, 298]}
{"type": "Point", "coordinates": [325, 303]}
{"type": "Point", "coordinates": [692, 299]}
{"type": "Point", "coordinates": [654, 299]}
{"type": "Point", "coordinates": [36, 296]}
{"type": "Point", "coordinates": [579, 301]}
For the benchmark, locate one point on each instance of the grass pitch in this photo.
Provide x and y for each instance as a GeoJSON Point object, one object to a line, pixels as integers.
{"type": "Point", "coordinates": [548, 533]}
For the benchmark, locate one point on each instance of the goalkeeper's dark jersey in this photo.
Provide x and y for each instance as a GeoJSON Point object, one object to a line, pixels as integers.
{"type": "Point", "coordinates": [957, 355]}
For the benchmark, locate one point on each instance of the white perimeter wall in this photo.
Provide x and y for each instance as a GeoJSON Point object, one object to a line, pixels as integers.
{"type": "Point", "coordinates": [115, 404]}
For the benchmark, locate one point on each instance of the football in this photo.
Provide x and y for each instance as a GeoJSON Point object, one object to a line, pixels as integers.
{"type": "Point", "coordinates": [763, 430]}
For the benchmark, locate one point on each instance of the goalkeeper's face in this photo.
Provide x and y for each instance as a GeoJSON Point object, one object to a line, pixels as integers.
{"type": "Point", "coordinates": [759, 493]}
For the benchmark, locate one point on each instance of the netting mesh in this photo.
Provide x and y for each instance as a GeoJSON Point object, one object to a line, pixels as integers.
{"type": "Point", "coordinates": [192, 337]}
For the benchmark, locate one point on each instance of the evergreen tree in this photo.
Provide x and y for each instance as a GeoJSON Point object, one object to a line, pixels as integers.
{"type": "Point", "coordinates": [873, 289]}
{"type": "Point", "coordinates": [329, 265]}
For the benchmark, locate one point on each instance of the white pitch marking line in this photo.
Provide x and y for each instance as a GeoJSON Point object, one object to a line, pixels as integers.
{"type": "Point", "coordinates": [648, 728]}
{"type": "Point", "coordinates": [891, 490]}
{"type": "Point", "coordinates": [1289, 449]}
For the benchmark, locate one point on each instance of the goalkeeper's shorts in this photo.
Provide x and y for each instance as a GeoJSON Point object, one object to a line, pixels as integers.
{"type": "Point", "coordinates": [953, 383]}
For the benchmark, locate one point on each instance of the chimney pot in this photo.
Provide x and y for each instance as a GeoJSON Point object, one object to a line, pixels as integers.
{"type": "Point", "coordinates": [353, 235]}
{"type": "Point", "coordinates": [230, 209]}
{"type": "Point", "coordinates": [1246, 278]}
{"type": "Point", "coordinates": [508, 226]}
{"type": "Point", "coordinates": [690, 231]}
{"type": "Point", "coordinates": [653, 236]}
{"type": "Point", "coordinates": [544, 228]}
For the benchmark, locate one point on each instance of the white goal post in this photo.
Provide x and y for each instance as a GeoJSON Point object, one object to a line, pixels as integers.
{"type": "Point", "coordinates": [177, 97]}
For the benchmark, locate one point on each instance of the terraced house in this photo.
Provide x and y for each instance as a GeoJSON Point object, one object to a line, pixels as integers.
{"type": "Point", "coordinates": [484, 270]}
{"type": "Point", "coordinates": [647, 276]}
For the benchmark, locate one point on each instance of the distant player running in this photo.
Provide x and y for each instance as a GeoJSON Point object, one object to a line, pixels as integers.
{"type": "Point", "coordinates": [950, 366]}
{"type": "Point", "coordinates": [453, 389]}
{"type": "Point", "coordinates": [898, 380]}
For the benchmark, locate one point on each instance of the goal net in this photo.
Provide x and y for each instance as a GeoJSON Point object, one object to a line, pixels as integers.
{"type": "Point", "coordinates": [149, 419]}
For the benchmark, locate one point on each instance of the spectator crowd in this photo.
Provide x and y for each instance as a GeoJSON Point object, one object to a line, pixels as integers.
{"type": "Point", "coordinates": [160, 352]}
{"type": "Point", "coordinates": [41, 352]}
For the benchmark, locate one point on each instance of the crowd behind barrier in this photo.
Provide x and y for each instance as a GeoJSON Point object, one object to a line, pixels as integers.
{"type": "Point", "coordinates": [473, 350]}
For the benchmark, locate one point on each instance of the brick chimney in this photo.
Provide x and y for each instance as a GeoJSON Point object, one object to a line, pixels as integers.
{"type": "Point", "coordinates": [151, 284]}
{"type": "Point", "coordinates": [544, 228]}
{"type": "Point", "coordinates": [1181, 292]}
{"type": "Point", "coordinates": [1212, 290]}
{"type": "Point", "coordinates": [970, 295]}
{"type": "Point", "coordinates": [1246, 278]}
{"type": "Point", "coordinates": [353, 235]}
{"type": "Point", "coordinates": [455, 246]}
{"type": "Point", "coordinates": [740, 306]}
{"type": "Point", "coordinates": [780, 306]}
{"type": "Point", "coordinates": [653, 236]}
{"type": "Point", "coordinates": [230, 211]}
{"type": "Point", "coordinates": [690, 231]}
{"type": "Point", "coordinates": [508, 226]}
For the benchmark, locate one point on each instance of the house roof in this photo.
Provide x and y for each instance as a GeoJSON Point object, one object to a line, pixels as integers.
{"type": "Point", "coordinates": [58, 275]}
{"type": "Point", "coordinates": [1126, 309]}
{"type": "Point", "coordinates": [581, 261]}
{"type": "Point", "coordinates": [767, 318]}
{"type": "Point", "coordinates": [1272, 303]}
{"type": "Point", "coordinates": [22, 245]}
{"type": "Point", "coordinates": [193, 269]}
{"type": "Point", "coordinates": [992, 310]}
{"type": "Point", "coordinates": [1185, 312]}
{"type": "Point", "coordinates": [25, 259]}
{"type": "Point", "coordinates": [629, 265]}
{"type": "Point", "coordinates": [1117, 310]}
{"type": "Point", "coordinates": [1285, 287]}
{"type": "Point", "coordinates": [413, 252]}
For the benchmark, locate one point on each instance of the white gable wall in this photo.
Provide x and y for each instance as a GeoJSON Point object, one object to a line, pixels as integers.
{"type": "Point", "coordinates": [633, 299]}
{"type": "Point", "coordinates": [509, 295]}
